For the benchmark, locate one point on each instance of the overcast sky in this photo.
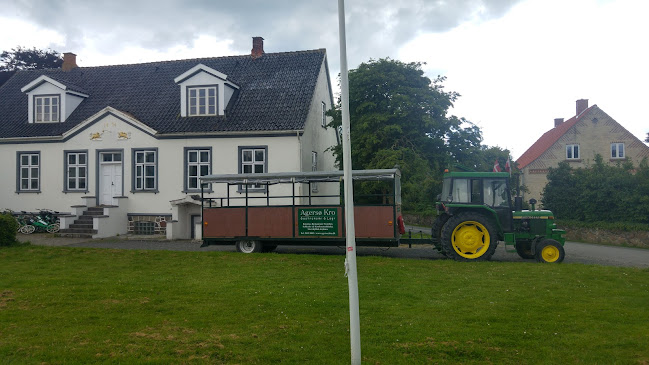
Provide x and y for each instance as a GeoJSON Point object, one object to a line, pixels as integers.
{"type": "Point", "coordinates": [517, 64]}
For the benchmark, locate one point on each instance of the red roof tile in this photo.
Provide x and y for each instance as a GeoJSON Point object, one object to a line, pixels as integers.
{"type": "Point", "coordinates": [547, 140]}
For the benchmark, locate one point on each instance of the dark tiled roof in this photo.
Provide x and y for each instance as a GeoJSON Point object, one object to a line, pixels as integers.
{"type": "Point", "coordinates": [275, 94]}
{"type": "Point", "coordinates": [5, 75]}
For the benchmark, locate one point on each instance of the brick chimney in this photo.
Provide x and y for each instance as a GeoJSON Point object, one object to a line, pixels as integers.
{"type": "Point", "coordinates": [69, 61]}
{"type": "Point", "coordinates": [257, 47]}
{"type": "Point", "coordinates": [582, 104]}
{"type": "Point", "coordinates": [557, 122]}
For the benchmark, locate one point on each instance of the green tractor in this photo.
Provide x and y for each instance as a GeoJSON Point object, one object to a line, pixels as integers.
{"type": "Point", "coordinates": [475, 212]}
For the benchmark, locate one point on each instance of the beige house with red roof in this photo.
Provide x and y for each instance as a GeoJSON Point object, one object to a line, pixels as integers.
{"type": "Point", "coordinates": [590, 132]}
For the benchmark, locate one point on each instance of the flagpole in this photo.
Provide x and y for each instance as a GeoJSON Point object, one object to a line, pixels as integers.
{"type": "Point", "coordinates": [350, 260]}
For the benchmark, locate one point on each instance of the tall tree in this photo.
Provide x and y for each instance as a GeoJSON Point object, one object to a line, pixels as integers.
{"type": "Point", "coordinates": [399, 116]}
{"type": "Point", "coordinates": [20, 58]}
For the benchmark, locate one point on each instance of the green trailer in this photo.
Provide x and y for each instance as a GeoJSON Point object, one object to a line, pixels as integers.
{"type": "Point", "coordinates": [475, 212]}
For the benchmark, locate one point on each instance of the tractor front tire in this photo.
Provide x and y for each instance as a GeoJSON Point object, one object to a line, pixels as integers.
{"type": "Point", "coordinates": [549, 251]}
{"type": "Point", "coordinates": [249, 246]}
{"type": "Point", "coordinates": [469, 236]}
{"type": "Point", "coordinates": [524, 249]}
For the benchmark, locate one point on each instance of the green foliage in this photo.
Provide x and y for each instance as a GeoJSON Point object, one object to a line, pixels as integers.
{"type": "Point", "coordinates": [8, 229]}
{"type": "Point", "coordinates": [20, 58]}
{"type": "Point", "coordinates": [399, 117]}
{"type": "Point", "coordinates": [599, 193]}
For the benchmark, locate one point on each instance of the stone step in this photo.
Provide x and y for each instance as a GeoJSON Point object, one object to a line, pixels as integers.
{"type": "Point", "coordinates": [79, 230]}
{"type": "Point", "coordinates": [88, 225]}
{"type": "Point", "coordinates": [76, 235]}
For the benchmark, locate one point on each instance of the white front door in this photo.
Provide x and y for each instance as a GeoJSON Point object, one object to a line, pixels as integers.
{"type": "Point", "coordinates": [110, 178]}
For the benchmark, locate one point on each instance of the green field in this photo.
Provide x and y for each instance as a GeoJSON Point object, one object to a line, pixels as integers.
{"type": "Point", "coordinates": [77, 305]}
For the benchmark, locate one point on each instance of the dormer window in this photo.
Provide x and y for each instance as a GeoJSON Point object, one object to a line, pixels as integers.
{"type": "Point", "coordinates": [203, 100]}
{"type": "Point", "coordinates": [47, 109]}
{"type": "Point", "coordinates": [204, 91]}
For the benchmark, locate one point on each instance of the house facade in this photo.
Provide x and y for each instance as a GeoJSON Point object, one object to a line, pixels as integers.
{"type": "Point", "coordinates": [577, 141]}
{"type": "Point", "coordinates": [130, 142]}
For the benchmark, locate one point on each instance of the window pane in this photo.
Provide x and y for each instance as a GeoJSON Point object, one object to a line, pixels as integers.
{"type": "Point", "coordinates": [201, 110]}
{"type": "Point", "coordinates": [34, 184]}
{"type": "Point", "coordinates": [205, 170]}
{"type": "Point", "coordinates": [150, 157]}
{"type": "Point", "coordinates": [117, 157]}
{"type": "Point", "coordinates": [24, 160]}
{"type": "Point", "coordinates": [55, 101]}
{"type": "Point", "coordinates": [149, 183]}
{"type": "Point", "coordinates": [34, 172]}
{"type": "Point", "coordinates": [576, 154]}
{"type": "Point", "coordinates": [138, 171]}
{"type": "Point", "coordinates": [139, 157]}
{"type": "Point", "coordinates": [212, 91]}
{"type": "Point", "coordinates": [138, 183]}
{"type": "Point", "coordinates": [82, 183]}
{"type": "Point", "coordinates": [35, 160]}
{"type": "Point", "coordinates": [82, 158]}
{"type": "Point", "coordinates": [46, 101]}
{"type": "Point", "coordinates": [72, 184]}
{"type": "Point", "coordinates": [247, 169]}
{"type": "Point", "coordinates": [193, 170]}
{"type": "Point", "coordinates": [82, 171]}
{"type": "Point", "coordinates": [24, 172]}
{"type": "Point", "coordinates": [149, 171]}
{"type": "Point", "coordinates": [72, 159]}
{"type": "Point", "coordinates": [192, 110]}
{"type": "Point", "coordinates": [621, 150]}
{"type": "Point", "coordinates": [211, 109]}
{"type": "Point", "coordinates": [205, 156]}
{"type": "Point", "coordinates": [39, 101]}
{"type": "Point", "coordinates": [193, 156]}
{"type": "Point", "coordinates": [201, 93]}
{"type": "Point", "coordinates": [259, 155]}
{"type": "Point", "coordinates": [24, 184]}
{"type": "Point", "coordinates": [72, 172]}
{"type": "Point", "coordinates": [193, 183]}
{"type": "Point", "coordinates": [259, 169]}
{"type": "Point", "coordinates": [247, 156]}
{"type": "Point", "coordinates": [107, 157]}
{"type": "Point", "coordinates": [613, 150]}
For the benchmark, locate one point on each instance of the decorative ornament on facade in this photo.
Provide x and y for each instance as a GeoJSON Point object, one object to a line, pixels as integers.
{"type": "Point", "coordinates": [123, 135]}
{"type": "Point", "coordinates": [96, 136]}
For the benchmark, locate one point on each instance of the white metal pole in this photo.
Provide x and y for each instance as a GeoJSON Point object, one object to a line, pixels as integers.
{"type": "Point", "coordinates": [350, 260]}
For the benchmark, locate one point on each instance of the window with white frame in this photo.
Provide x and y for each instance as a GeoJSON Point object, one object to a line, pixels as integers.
{"type": "Point", "coordinates": [202, 100]}
{"type": "Point", "coordinates": [76, 171]}
{"type": "Point", "coordinates": [145, 170]}
{"type": "Point", "coordinates": [572, 152]}
{"type": "Point", "coordinates": [46, 108]}
{"type": "Point", "coordinates": [324, 115]}
{"type": "Point", "coordinates": [253, 161]}
{"type": "Point", "coordinates": [198, 162]}
{"type": "Point", "coordinates": [314, 167]}
{"type": "Point", "coordinates": [617, 150]}
{"type": "Point", "coordinates": [29, 164]}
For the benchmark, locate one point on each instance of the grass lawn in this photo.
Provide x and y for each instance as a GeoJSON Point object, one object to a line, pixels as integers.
{"type": "Point", "coordinates": [78, 305]}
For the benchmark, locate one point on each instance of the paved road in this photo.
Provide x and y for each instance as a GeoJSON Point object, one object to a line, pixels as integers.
{"type": "Point", "coordinates": [583, 253]}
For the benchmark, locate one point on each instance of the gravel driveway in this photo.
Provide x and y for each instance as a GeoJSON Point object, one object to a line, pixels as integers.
{"type": "Point", "coordinates": [583, 253]}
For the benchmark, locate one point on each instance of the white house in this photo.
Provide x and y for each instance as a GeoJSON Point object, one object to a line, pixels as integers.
{"type": "Point", "coordinates": [121, 148]}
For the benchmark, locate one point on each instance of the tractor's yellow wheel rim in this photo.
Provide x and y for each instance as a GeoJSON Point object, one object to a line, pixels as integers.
{"type": "Point", "coordinates": [470, 239]}
{"type": "Point", "coordinates": [550, 253]}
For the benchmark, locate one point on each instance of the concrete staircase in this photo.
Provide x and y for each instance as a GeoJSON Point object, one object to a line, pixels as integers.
{"type": "Point", "coordinates": [82, 227]}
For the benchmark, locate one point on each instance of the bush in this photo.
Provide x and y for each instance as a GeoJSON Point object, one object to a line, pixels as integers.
{"type": "Point", "coordinates": [8, 229]}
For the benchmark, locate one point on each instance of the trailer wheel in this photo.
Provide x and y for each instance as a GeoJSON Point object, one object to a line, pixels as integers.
{"type": "Point", "coordinates": [469, 237]}
{"type": "Point", "coordinates": [549, 251]}
{"type": "Point", "coordinates": [436, 232]}
{"type": "Point", "coordinates": [248, 246]}
{"type": "Point", "coordinates": [524, 249]}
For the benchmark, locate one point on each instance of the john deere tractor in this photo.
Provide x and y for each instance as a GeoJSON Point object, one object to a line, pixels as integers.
{"type": "Point", "coordinates": [475, 212]}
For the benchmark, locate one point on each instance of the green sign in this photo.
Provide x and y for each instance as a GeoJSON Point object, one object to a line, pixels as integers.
{"type": "Point", "coordinates": [317, 221]}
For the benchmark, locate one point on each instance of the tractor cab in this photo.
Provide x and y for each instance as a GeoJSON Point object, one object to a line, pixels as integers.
{"type": "Point", "coordinates": [479, 190]}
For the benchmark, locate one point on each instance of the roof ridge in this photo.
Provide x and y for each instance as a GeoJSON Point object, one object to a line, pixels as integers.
{"type": "Point", "coordinates": [317, 50]}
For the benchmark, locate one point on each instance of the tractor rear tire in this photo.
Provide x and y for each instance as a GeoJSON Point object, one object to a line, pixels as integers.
{"type": "Point", "coordinates": [436, 232]}
{"type": "Point", "coordinates": [524, 249]}
{"type": "Point", "coordinates": [249, 246]}
{"type": "Point", "coordinates": [549, 251]}
{"type": "Point", "coordinates": [469, 236]}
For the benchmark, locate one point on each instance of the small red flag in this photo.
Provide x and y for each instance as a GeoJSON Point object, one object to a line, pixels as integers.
{"type": "Point", "coordinates": [497, 166]}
